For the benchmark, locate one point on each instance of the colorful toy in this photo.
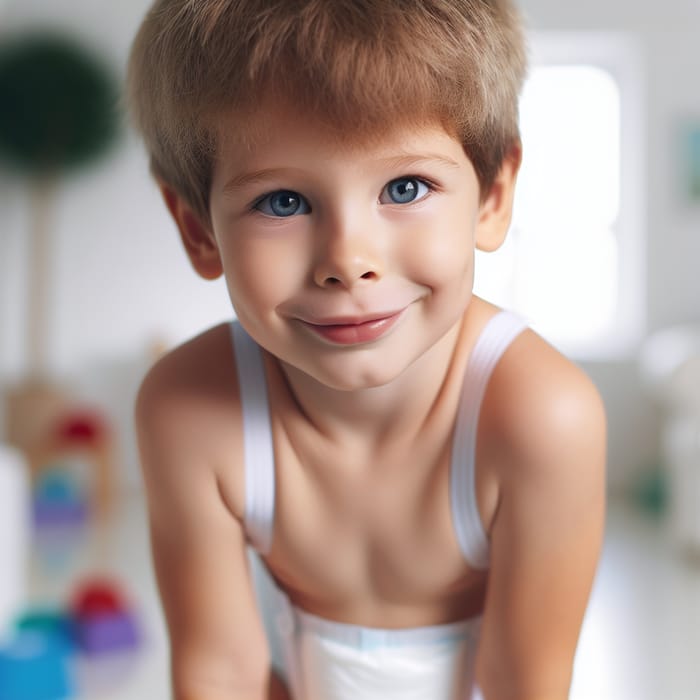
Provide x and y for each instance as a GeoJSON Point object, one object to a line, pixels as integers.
{"type": "Point", "coordinates": [36, 665]}
{"type": "Point", "coordinates": [59, 500]}
{"type": "Point", "coordinates": [103, 621]}
{"type": "Point", "coordinates": [55, 624]}
{"type": "Point", "coordinates": [81, 433]}
{"type": "Point", "coordinates": [60, 513]}
{"type": "Point", "coordinates": [42, 660]}
{"type": "Point", "coordinates": [87, 432]}
{"type": "Point", "coordinates": [104, 633]}
{"type": "Point", "coordinates": [96, 597]}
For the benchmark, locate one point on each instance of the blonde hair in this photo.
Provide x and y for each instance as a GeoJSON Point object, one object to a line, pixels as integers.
{"type": "Point", "coordinates": [362, 67]}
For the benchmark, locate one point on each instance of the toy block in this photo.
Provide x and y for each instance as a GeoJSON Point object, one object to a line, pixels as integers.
{"type": "Point", "coordinates": [89, 433]}
{"type": "Point", "coordinates": [58, 485]}
{"type": "Point", "coordinates": [58, 500]}
{"type": "Point", "coordinates": [47, 514]}
{"type": "Point", "coordinates": [55, 624]}
{"type": "Point", "coordinates": [35, 666]}
{"type": "Point", "coordinates": [97, 597]}
{"type": "Point", "coordinates": [69, 432]}
{"type": "Point", "coordinates": [103, 621]}
{"type": "Point", "coordinates": [107, 633]}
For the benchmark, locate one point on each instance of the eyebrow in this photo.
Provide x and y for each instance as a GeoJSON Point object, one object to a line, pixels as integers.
{"type": "Point", "coordinates": [406, 161]}
{"type": "Point", "coordinates": [242, 180]}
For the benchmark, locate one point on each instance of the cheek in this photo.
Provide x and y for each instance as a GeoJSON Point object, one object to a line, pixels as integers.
{"type": "Point", "coordinates": [261, 273]}
{"type": "Point", "coordinates": [441, 253]}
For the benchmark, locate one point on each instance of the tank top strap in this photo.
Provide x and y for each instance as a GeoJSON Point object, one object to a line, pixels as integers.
{"type": "Point", "coordinates": [498, 333]}
{"type": "Point", "coordinates": [257, 440]}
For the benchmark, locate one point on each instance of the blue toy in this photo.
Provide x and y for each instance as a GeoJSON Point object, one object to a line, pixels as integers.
{"type": "Point", "coordinates": [39, 661]}
{"type": "Point", "coordinates": [36, 666]}
{"type": "Point", "coordinates": [59, 500]}
{"type": "Point", "coordinates": [56, 624]}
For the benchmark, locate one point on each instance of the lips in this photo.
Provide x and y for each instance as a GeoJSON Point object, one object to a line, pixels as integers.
{"type": "Point", "coordinates": [355, 331]}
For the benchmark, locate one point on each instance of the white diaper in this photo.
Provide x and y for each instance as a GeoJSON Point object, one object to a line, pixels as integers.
{"type": "Point", "coordinates": [324, 660]}
{"type": "Point", "coordinates": [335, 661]}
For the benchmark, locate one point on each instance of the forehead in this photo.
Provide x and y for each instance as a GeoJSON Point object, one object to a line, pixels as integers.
{"type": "Point", "coordinates": [280, 130]}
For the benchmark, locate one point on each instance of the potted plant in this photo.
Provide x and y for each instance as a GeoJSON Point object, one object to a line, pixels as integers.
{"type": "Point", "coordinates": [58, 113]}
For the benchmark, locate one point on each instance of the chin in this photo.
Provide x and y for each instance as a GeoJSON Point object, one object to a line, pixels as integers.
{"type": "Point", "coordinates": [351, 375]}
{"type": "Point", "coordinates": [361, 383]}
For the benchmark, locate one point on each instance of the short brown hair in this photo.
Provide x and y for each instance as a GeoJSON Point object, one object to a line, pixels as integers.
{"type": "Point", "coordinates": [360, 66]}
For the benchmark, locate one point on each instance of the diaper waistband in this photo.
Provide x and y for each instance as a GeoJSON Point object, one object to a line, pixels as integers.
{"type": "Point", "coordinates": [373, 637]}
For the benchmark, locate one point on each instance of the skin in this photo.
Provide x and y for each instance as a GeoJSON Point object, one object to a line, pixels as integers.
{"type": "Point", "coordinates": [362, 431]}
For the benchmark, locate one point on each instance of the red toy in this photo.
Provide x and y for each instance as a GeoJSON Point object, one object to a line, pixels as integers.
{"type": "Point", "coordinates": [103, 620]}
{"type": "Point", "coordinates": [97, 597]}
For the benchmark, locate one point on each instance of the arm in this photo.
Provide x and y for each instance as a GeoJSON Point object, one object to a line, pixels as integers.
{"type": "Point", "coordinates": [546, 535]}
{"type": "Point", "coordinates": [217, 643]}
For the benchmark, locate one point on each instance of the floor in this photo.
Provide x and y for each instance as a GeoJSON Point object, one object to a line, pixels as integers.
{"type": "Point", "coordinates": [641, 634]}
{"type": "Point", "coordinates": [640, 638]}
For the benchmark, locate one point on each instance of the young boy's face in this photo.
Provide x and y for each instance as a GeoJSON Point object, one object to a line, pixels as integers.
{"type": "Point", "coordinates": [349, 262]}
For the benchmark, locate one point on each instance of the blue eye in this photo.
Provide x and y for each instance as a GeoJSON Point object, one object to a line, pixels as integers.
{"type": "Point", "coordinates": [283, 203]}
{"type": "Point", "coordinates": [404, 190]}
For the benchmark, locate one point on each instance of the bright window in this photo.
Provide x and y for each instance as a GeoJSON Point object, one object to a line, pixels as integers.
{"type": "Point", "coordinates": [568, 264]}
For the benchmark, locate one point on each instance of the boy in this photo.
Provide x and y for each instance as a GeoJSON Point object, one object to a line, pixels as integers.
{"type": "Point", "coordinates": [422, 476]}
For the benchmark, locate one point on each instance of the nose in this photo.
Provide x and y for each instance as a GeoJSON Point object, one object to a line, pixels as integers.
{"type": "Point", "coordinates": [347, 256]}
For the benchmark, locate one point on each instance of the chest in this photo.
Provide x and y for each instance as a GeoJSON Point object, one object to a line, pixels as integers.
{"type": "Point", "coordinates": [371, 538]}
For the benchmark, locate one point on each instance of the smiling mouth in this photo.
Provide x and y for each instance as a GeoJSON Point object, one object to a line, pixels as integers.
{"type": "Point", "coordinates": [354, 332]}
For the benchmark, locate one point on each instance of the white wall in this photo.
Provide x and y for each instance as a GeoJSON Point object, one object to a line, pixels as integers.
{"type": "Point", "coordinates": [121, 278]}
{"type": "Point", "coordinates": [122, 281]}
{"type": "Point", "coordinates": [667, 34]}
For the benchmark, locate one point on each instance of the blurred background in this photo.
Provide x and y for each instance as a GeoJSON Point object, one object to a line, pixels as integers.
{"type": "Point", "coordinates": [602, 259]}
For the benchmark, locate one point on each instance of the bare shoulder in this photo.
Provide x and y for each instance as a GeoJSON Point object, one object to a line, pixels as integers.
{"type": "Point", "coordinates": [188, 421]}
{"type": "Point", "coordinates": [187, 409]}
{"type": "Point", "coordinates": [546, 420]}
{"type": "Point", "coordinates": [193, 370]}
{"type": "Point", "coordinates": [547, 414]}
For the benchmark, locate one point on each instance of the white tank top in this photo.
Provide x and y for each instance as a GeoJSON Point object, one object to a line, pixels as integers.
{"type": "Point", "coordinates": [327, 660]}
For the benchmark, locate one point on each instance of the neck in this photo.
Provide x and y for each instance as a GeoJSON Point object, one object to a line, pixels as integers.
{"type": "Point", "coordinates": [377, 415]}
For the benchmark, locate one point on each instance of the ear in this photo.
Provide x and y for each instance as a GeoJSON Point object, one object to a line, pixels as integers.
{"type": "Point", "coordinates": [497, 208]}
{"type": "Point", "coordinates": [196, 236]}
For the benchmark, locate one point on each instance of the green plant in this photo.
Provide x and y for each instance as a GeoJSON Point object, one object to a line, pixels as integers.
{"type": "Point", "coordinates": [58, 112]}
{"type": "Point", "coordinates": [57, 105]}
